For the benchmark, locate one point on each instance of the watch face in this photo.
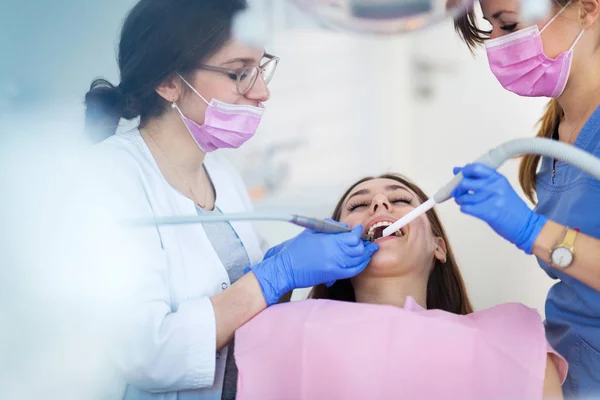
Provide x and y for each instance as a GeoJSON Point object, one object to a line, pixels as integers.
{"type": "Point", "coordinates": [562, 257]}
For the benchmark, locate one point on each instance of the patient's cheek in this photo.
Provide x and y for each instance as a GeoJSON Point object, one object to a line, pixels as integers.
{"type": "Point", "coordinates": [422, 222]}
{"type": "Point", "coordinates": [351, 222]}
{"type": "Point", "coordinates": [421, 231]}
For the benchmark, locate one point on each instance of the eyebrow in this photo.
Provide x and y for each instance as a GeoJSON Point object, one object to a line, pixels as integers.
{"type": "Point", "coordinates": [498, 14]}
{"type": "Point", "coordinates": [245, 60]}
{"type": "Point", "coordinates": [365, 191]}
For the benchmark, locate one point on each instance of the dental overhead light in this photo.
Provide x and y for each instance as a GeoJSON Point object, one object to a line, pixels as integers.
{"type": "Point", "coordinates": [389, 17]}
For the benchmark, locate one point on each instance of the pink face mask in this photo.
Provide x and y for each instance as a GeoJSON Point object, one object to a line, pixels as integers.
{"type": "Point", "coordinates": [226, 126]}
{"type": "Point", "coordinates": [520, 65]}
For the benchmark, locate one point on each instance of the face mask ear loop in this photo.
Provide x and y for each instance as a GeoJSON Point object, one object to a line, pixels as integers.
{"type": "Point", "coordinates": [183, 118]}
{"type": "Point", "coordinates": [556, 16]}
{"type": "Point", "coordinates": [193, 89]}
{"type": "Point", "coordinates": [577, 40]}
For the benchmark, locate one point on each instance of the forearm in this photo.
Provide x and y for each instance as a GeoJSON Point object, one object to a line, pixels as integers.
{"type": "Point", "coordinates": [586, 264]}
{"type": "Point", "coordinates": [236, 306]}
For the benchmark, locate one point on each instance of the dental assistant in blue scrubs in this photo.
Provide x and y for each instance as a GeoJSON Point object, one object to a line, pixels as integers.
{"type": "Point", "coordinates": [563, 230]}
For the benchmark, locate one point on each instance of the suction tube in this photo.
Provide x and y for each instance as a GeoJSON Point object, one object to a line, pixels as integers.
{"type": "Point", "coordinates": [498, 156]}
{"type": "Point", "coordinates": [543, 147]}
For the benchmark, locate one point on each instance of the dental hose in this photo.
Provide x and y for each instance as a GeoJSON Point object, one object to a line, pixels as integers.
{"type": "Point", "coordinates": [315, 224]}
{"type": "Point", "coordinates": [201, 219]}
{"type": "Point", "coordinates": [496, 157]}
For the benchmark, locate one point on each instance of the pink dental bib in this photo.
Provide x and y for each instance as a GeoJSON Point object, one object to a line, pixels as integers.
{"type": "Point", "coordinates": [322, 349]}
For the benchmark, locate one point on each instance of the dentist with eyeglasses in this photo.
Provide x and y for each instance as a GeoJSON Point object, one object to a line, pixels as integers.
{"type": "Point", "coordinates": [195, 90]}
{"type": "Point", "coordinates": [558, 58]}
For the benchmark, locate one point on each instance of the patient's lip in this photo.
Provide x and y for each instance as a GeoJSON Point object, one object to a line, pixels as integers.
{"type": "Point", "coordinates": [391, 237]}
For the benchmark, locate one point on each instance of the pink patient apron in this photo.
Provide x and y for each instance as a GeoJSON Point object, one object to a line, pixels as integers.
{"type": "Point", "coordinates": [322, 349]}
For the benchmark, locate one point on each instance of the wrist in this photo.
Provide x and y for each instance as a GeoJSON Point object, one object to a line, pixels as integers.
{"type": "Point", "coordinates": [531, 232]}
{"type": "Point", "coordinates": [547, 240]}
{"type": "Point", "coordinates": [269, 274]}
{"type": "Point", "coordinates": [250, 289]}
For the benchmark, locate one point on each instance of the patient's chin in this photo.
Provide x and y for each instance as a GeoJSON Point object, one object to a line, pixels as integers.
{"type": "Point", "coordinates": [386, 263]}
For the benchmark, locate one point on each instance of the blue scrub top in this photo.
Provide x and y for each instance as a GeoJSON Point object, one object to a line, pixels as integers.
{"type": "Point", "coordinates": [572, 198]}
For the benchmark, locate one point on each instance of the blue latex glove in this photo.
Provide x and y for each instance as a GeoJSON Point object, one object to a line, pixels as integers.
{"type": "Point", "coordinates": [276, 249]}
{"type": "Point", "coordinates": [310, 259]}
{"type": "Point", "coordinates": [486, 194]}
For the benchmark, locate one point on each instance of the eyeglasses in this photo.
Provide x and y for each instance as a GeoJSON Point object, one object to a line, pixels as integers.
{"type": "Point", "coordinates": [245, 78]}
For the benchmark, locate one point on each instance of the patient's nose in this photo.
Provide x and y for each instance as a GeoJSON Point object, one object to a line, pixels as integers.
{"type": "Point", "coordinates": [380, 201]}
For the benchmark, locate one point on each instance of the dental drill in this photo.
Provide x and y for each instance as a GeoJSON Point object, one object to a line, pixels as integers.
{"type": "Point", "coordinates": [495, 158]}
{"type": "Point", "coordinates": [315, 224]}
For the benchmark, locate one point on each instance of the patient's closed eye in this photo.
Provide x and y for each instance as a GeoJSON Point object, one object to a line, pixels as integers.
{"type": "Point", "coordinates": [354, 206]}
{"type": "Point", "coordinates": [405, 200]}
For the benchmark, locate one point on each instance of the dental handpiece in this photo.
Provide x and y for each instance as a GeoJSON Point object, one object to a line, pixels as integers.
{"type": "Point", "coordinates": [323, 226]}
{"type": "Point", "coordinates": [315, 224]}
{"type": "Point", "coordinates": [495, 158]}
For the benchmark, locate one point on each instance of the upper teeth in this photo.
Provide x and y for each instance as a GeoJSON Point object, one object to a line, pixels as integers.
{"type": "Point", "coordinates": [382, 224]}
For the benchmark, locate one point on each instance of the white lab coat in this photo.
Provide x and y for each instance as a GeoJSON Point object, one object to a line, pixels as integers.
{"type": "Point", "coordinates": [170, 349]}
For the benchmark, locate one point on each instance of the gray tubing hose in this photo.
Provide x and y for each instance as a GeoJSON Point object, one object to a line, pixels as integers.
{"type": "Point", "coordinates": [518, 147]}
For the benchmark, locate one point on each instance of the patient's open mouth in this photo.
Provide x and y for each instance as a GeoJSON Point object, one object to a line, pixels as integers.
{"type": "Point", "coordinates": [376, 230]}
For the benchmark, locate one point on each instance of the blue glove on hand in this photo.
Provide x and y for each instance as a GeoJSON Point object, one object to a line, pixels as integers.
{"type": "Point", "coordinates": [487, 195]}
{"type": "Point", "coordinates": [276, 249]}
{"type": "Point", "coordinates": [310, 259]}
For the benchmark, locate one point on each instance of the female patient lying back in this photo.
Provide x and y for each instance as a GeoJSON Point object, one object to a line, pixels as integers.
{"type": "Point", "coordinates": [413, 337]}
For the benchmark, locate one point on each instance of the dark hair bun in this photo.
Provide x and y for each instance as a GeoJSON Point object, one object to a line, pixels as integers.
{"type": "Point", "coordinates": [104, 104]}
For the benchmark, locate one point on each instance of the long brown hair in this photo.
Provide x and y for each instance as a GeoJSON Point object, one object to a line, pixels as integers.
{"type": "Point", "coordinates": [445, 289]}
{"type": "Point", "coordinates": [467, 28]}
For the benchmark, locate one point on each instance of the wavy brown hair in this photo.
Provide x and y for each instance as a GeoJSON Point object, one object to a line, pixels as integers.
{"type": "Point", "coordinates": [467, 28]}
{"type": "Point", "coordinates": [445, 289]}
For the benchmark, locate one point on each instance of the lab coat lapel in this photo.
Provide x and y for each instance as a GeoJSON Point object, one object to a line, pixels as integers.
{"type": "Point", "coordinates": [191, 240]}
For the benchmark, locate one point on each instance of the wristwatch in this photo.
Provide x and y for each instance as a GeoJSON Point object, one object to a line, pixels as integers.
{"type": "Point", "coordinates": [563, 254]}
